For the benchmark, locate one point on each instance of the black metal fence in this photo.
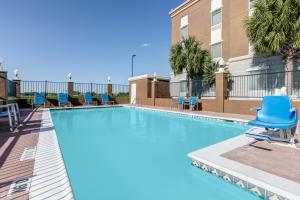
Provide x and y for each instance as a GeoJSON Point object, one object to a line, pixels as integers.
{"type": "Point", "coordinates": [93, 88]}
{"type": "Point", "coordinates": [263, 84]}
{"type": "Point", "coordinates": [51, 89]}
{"type": "Point", "coordinates": [11, 88]}
{"type": "Point", "coordinates": [198, 89]}
{"type": "Point", "coordinates": [120, 90]}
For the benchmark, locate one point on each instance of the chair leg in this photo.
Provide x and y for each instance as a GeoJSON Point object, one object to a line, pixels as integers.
{"type": "Point", "coordinates": [18, 112]}
{"type": "Point", "coordinates": [10, 119]}
{"type": "Point", "coordinates": [14, 112]}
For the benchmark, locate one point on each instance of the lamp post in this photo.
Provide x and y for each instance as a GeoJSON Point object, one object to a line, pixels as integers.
{"type": "Point", "coordinates": [222, 65]}
{"type": "Point", "coordinates": [16, 73]}
{"type": "Point", "coordinates": [1, 66]}
{"type": "Point", "coordinates": [132, 57]}
{"type": "Point", "coordinates": [69, 77]}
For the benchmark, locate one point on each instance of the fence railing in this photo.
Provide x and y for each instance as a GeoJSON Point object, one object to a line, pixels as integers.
{"type": "Point", "coordinates": [197, 89]}
{"type": "Point", "coordinates": [120, 90]}
{"type": "Point", "coordinates": [11, 88]}
{"type": "Point", "coordinates": [93, 88]}
{"type": "Point", "coordinates": [51, 89]}
{"type": "Point", "coordinates": [263, 84]}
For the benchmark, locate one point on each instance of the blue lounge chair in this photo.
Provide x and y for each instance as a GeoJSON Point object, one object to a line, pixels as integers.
{"type": "Point", "coordinates": [62, 99]}
{"type": "Point", "coordinates": [39, 99]}
{"type": "Point", "coordinates": [180, 102]}
{"type": "Point", "coordinates": [276, 114]}
{"type": "Point", "coordinates": [88, 99]}
{"type": "Point", "coordinates": [105, 99]}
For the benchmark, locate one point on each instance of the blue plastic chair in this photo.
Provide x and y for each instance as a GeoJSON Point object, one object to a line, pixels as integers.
{"type": "Point", "coordinates": [276, 112]}
{"type": "Point", "coordinates": [193, 102]}
{"type": "Point", "coordinates": [180, 102]}
{"type": "Point", "coordinates": [88, 98]}
{"type": "Point", "coordinates": [39, 99]}
{"type": "Point", "coordinates": [105, 99]}
{"type": "Point", "coordinates": [62, 99]}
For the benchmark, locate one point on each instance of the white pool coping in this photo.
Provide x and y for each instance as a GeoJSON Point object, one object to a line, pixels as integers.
{"type": "Point", "coordinates": [211, 156]}
{"type": "Point", "coordinates": [217, 118]}
{"type": "Point", "coordinates": [50, 178]}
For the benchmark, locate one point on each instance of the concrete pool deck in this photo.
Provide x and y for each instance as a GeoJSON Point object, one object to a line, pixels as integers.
{"type": "Point", "coordinates": [36, 132]}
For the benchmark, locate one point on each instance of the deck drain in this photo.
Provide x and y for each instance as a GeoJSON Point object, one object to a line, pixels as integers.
{"type": "Point", "coordinates": [21, 185]}
{"type": "Point", "coordinates": [28, 154]}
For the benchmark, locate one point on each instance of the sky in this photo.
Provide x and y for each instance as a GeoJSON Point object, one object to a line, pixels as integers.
{"type": "Point", "coordinates": [92, 39]}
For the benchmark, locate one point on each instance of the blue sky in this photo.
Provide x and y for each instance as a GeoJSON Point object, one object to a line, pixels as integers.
{"type": "Point", "coordinates": [92, 39]}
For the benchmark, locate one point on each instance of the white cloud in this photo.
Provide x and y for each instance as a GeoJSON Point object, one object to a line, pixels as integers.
{"type": "Point", "coordinates": [146, 45]}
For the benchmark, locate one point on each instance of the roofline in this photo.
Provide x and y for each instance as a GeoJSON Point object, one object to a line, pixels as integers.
{"type": "Point", "coordinates": [182, 7]}
{"type": "Point", "coordinates": [144, 76]}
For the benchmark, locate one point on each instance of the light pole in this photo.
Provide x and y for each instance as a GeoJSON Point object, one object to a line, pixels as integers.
{"type": "Point", "coordinates": [1, 66]}
{"type": "Point", "coordinates": [132, 64]}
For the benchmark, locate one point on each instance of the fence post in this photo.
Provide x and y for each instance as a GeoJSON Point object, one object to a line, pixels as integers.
{"type": "Point", "coordinates": [109, 90]}
{"type": "Point", "coordinates": [3, 85]}
{"type": "Point", "coordinates": [153, 91]}
{"type": "Point", "coordinates": [221, 89]}
{"type": "Point", "coordinates": [70, 89]}
{"type": "Point", "coordinates": [18, 87]}
{"type": "Point", "coordinates": [46, 85]}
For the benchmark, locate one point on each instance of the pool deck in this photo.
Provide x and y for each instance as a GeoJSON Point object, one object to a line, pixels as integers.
{"type": "Point", "coordinates": [276, 167]}
{"type": "Point", "coordinates": [31, 165]}
{"type": "Point", "coordinates": [12, 146]}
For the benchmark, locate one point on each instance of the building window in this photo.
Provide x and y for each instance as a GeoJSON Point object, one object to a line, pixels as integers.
{"type": "Point", "coordinates": [216, 50]}
{"type": "Point", "coordinates": [184, 33]}
{"type": "Point", "coordinates": [251, 6]}
{"type": "Point", "coordinates": [216, 18]}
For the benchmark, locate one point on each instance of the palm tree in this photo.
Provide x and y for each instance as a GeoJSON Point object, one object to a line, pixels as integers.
{"type": "Point", "coordinates": [209, 73]}
{"type": "Point", "coordinates": [187, 55]}
{"type": "Point", "coordinates": [274, 28]}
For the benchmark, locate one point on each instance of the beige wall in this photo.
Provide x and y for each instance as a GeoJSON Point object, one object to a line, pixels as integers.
{"type": "Point", "coordinates": [199, 22]}
{"type": "Point", "coordinates": [237, 38]}
{"type": "Point", "coordinates": [144, 90]}
{"type": "Point", "coordinates": [234, 12]}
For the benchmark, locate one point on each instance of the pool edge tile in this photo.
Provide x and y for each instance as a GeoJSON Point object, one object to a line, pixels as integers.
{"type": "Point", "coordinates": [255, 180]}
{"type": "Point", "coordinates": [47, 183]}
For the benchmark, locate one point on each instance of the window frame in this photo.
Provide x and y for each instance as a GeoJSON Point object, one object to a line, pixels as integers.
{"type": "Point", "coordinates": [221, 20]}
{"type": "Point", "coordinates": [211, 49]}
{"type": "Point", "coordinates": [187, 31]}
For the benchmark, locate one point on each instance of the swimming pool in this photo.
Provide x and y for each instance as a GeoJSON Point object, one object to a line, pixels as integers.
{"type": "Point", "coordinates": [134, 154]}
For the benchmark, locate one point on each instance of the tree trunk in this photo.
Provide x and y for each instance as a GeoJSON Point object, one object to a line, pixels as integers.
{"type": "Point", "coordinates": [289, 67]}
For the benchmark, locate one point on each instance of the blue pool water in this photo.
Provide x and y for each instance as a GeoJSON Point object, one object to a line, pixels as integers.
{"type": "Point", "coordinates": [133, 154]}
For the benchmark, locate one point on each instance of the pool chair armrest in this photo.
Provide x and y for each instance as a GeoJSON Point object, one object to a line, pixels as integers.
{"type": "Point", "coordinates": [255, 109]}
{"type": "Point", "coordinates": [293, 110]}
{"type": "Point", "coordinates": [294, 113]}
